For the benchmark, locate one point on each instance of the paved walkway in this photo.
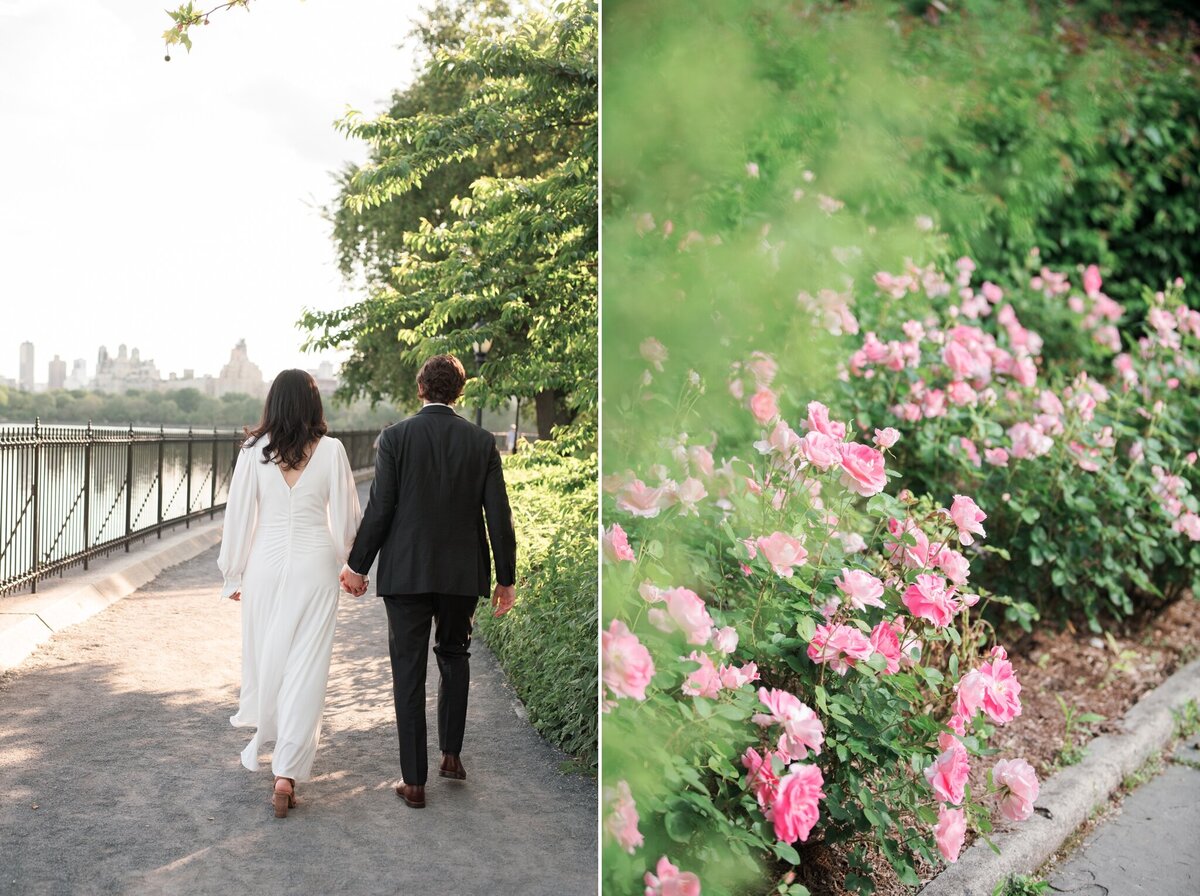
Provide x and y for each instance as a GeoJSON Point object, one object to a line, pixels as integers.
{"type": "Point", "coordinates": [119, 770]}
{"type": "Point", "coordinates": [1152, 847]}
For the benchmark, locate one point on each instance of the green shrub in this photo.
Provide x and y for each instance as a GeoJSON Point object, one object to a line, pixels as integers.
{"type": "Point", "coordinates": [547, 642]}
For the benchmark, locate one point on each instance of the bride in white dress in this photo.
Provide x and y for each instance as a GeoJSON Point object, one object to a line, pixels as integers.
{"type": "Point", "coordinates": [290, 522]}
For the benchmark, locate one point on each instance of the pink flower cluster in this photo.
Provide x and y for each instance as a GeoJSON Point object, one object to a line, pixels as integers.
{"type": "Point", "coordinates": [788, 802]}
{"type": "Point", "coordinates": [627, 667]}
{"type": "Point", "coordinates": [622, 819]}
{"type": "Point", "coordinates": [668, 880]}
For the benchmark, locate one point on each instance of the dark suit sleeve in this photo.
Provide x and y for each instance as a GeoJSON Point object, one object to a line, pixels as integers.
{"type": "Point", "coordinates": [499, 521]}
{"type": "Point", "coordinates": [381, 509]}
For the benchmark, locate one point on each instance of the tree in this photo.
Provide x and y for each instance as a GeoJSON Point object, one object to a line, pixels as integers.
{"type": "Point", "coordinates": [517, 254]}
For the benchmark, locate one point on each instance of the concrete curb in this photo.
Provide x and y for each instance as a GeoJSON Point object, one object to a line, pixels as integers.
{"type": "Point", "coordinates": [30, 620]}
{"type": "Point", "coordinates": [1068, 798]}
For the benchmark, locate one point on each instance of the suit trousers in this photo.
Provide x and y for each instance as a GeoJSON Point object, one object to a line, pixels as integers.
{"type": "Point", "coordinates": [409, 620]}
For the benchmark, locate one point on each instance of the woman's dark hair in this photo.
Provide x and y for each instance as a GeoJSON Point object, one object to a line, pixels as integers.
{"type": "Point", "coordinates": [441, 379]}
{"type": "Point", "coordinates": [292, 419]}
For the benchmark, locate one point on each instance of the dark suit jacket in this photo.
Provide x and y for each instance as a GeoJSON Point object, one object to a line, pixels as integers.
{"type": "Point", "coordinates": [437, 476]}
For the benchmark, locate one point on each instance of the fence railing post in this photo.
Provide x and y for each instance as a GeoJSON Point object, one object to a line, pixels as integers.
{"type": "Point", "coordinates": [87, 497]}
{"type": "Point", "coordinates": [212, 501]}
{"type": "Point", "coordinates": [37, 515]}
{"type": "Point", "coordinates": [187, 499]}
{"type": "Point", "coordinates": [162, 440]}
{"type": "Point", "coordinates": [128, 488]}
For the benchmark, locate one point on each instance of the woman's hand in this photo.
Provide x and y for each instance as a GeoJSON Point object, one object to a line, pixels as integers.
{"type": "Point", "coordinates": [237, 595]}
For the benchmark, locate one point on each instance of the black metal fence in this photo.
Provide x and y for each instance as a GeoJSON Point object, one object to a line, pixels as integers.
{"type": "Point", "coordinates": [71, 493]}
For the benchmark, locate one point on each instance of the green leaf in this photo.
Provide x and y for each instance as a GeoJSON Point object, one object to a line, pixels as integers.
{"type": "Point", "coordinates": [786, 852]}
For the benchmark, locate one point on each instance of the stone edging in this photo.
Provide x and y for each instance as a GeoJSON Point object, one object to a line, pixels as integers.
{"type": "Point", "coordinates": [1068, 798]}
{"type": "Point", "coordinates": [28, 621]}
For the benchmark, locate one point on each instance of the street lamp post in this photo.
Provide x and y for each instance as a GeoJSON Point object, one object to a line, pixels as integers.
{"type": "Point", "coordinates": [481, 352]}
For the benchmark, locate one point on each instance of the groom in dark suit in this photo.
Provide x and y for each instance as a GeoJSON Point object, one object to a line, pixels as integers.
{"type": "Point", "coordinates": [437, 478]}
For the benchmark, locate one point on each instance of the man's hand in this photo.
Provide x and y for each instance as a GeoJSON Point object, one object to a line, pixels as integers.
{"type": "Point", "coordinates": [353, 582]}
{"type": "Point", "coordinates": [237, 595]}
{"type": "Point", "coordinates": [503, 598]}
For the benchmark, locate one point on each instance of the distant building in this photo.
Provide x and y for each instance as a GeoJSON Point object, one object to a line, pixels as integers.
{"type": "Point", "coordinates": [78, 378]}
{"type": "Point", "coordinates": [58, 373]}
{"type": "Point", "coordinates": [25, 378]}
{"type": "Point", "coordinates": [126, 371]}
{"type": "Point", "coordinates": [205, 385]}
{"type": "Point", "coordinates": [327, 381]}
{"type": "Point", "coordinates": [240, 374]}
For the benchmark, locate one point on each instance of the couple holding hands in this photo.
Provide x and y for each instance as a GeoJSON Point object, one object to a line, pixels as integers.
{"type": "Point", "coordinates": [292, 521]}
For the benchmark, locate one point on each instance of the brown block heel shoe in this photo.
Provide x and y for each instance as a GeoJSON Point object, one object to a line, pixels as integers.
{"type": "Point", "coordinates": [283, 798]}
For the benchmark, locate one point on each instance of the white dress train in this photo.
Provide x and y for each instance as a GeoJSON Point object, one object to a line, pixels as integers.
{"type": "Point", "coordinates": [283, 548]}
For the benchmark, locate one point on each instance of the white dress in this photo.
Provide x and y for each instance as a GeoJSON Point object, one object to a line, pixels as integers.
{"type": "Point", "coordinates": [283, 548]}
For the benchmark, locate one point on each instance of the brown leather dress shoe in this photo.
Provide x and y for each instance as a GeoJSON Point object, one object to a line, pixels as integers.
{"type": "Point", "coordinates": [452, 767]}
{"type": "Point", "coordinates": [412, 794]}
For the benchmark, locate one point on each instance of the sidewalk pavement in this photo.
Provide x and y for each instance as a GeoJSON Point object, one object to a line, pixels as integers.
{"type": "Point", "coordinates": [1152, 846]}
{"type": "Point", "coordinates": [119, 770]}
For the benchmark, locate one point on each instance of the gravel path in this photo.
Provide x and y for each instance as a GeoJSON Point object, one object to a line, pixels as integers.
{"type": "Point", "coordinates": [119, 770]}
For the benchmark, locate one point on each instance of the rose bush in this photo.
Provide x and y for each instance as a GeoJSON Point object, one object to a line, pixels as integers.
{"type": "Point", "coordinates": [793, 658]}
{"type": "Point", "coordinates": [1088, 458]}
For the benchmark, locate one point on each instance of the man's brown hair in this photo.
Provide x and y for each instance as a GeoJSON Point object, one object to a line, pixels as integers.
{"type": "Point", "coordinates": [441, 379]}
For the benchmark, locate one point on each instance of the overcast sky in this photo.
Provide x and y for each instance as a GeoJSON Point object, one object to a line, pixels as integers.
{"type": "Point", "coordinates": [175, 206]}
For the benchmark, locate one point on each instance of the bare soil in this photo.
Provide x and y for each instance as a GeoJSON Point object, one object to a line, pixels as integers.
{"type": "Point", "coordinates": [1102, 674]}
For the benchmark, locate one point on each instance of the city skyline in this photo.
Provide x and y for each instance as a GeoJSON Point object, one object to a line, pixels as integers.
{"type": "Point", "coordinates": [126, 368]}
{"type": "Point", "coordinates": [178, 206]}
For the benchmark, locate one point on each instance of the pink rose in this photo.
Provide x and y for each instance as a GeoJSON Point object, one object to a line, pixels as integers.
{"type": "Point", "coordinates": [705, 681]}
{"type": "Point", "coordinates": [616, 545]}
{"type": "Point", "coordinates": [885, 641]}
{"type": "Point", "coordinates": [863, 469]}
{"type": "Point", "coordinates": [820, 450]}
{"type": "Point", "coordinates": [670, 881]}
{"type": "Point", "coordinates": [839, 645]}
{"type": "Point", "coordinates": [997, 457]}
{"type": "Point", "coordinates": [955, 566]}
{"type": "Point", "coordinates": [726, 639]}
{"type": "Point", "coordinates": [886, 437]}
{"type": "Point", "coordinates": [1018, 786]}
{"type": "Point", "coordinates": [628, 667]}
{"type": "Point", "coordinates": [914, 556]}
{"type": "Point", "coordinates": [690, 492]}
{"type": "Point", "coordinates": [1002, 691]}
{"type": "Point", "coordinates": [685, 612]}
{"type": "Point", "coordinates": [1028, 441]}
{"type": "Point", "coordinates": [931, 600]}
{"type": "Point", "coordinates": [861, 588]}
{"type": "Point", "coordinates": [948, 773]}
{"type": "Point", "coordinates": [794, 812]}
{"type": "Point", "coordinates": [763, 367]}
{"type": "Point", "coordinates": [950, 831]}
{"type": "Point", "coordinates": [1092, 280]}
{"type": "Point", "coordinates": [654, 352]}
{"type": "Point", "coordinates": [639, 499]}
{"type": "Point", "coordinates": [783, 552]}
{"type": "Point", "coordinates": [760, 776]}
{"type": "Point", "coordinates": [734, 677]}
{"type": "Point", "coordinates": [701, 459]}
{"type": "Point", "coordinates": [622, 819]}
{"type": "Point", "coordinates": [818, 421]}
{"type": "Point", "coordinates": [764, 406]}
{"type": "Point", "coordinates": [802, 730]}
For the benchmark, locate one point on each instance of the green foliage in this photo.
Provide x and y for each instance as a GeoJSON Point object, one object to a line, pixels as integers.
{"type": "Point", "coordinates": [547, 642]}
{"type": "Point", "coordinates": [1071, 753]}
{"type": "Point", "coordinates": [185, 407]}
{"type": "Point", "coordinates": [1021, 885]}
{"type": "Point", "coordinates": [518, 255]}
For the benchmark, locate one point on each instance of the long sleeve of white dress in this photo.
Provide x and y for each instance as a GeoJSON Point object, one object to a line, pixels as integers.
{"type": "Point", "coordinates": [345, 513]}
{"type": "Point", "coordinates": [241, 515]}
